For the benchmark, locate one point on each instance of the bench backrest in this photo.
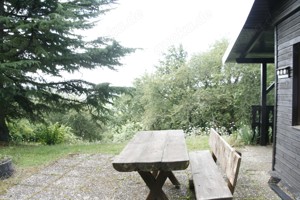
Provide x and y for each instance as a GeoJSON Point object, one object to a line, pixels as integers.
{"type": "Point", "coordinates": [226, 156]}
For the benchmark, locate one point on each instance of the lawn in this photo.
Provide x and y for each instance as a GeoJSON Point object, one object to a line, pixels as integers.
{"type": "Point", "coordinates": [32, 155]}
{"type": "Point", "coordinates": [28, 158]}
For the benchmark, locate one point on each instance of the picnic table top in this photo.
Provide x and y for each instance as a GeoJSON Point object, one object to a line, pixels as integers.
{"type": "Point", "coordinates": [154, 150]}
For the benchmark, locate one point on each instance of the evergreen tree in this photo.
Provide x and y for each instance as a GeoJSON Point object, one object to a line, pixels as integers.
{"type": "Point", "coordinates": [38, 39]}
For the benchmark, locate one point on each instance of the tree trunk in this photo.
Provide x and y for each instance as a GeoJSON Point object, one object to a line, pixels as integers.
{"type": "Point", "coordinates": [1, 24]}
{"type": "Point", "coordinates": [4, 132]}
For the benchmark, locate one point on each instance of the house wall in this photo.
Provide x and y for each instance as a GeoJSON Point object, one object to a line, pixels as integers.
{"type": "Point", "coordinates": [287, 156]}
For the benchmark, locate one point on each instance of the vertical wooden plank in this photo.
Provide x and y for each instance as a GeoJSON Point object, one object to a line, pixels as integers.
{"type": "Point", "coordinates": [175, 154]}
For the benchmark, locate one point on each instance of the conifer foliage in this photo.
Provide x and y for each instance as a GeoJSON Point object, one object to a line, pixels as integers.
{"type": "Point", "coordinates": [39, 41]}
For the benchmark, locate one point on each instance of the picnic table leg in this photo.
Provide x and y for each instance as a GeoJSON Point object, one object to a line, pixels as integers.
{"type": "Point", "coordinates": [155, 173]}
{"type": "Point", "coordinates": [173, 179]}
{"type": "Point", "coordinates": [155, 184]}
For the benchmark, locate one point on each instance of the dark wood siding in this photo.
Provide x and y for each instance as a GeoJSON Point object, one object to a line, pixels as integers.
{"type": "Point", "coordinates": [283, 8]}
{"type": "Point", "coordinates": [287, 158]}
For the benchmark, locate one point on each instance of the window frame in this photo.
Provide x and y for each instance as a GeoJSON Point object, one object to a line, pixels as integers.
{"type": "Point", "coordinates": [296, 85]}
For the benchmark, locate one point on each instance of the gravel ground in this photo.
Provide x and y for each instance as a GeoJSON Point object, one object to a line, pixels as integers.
{"type": "Point", "coordinates": [91, 176]}
{"type": "Point", "coordinates": [254, 174]}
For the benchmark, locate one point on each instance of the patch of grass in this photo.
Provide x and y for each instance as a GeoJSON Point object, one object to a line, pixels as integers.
{"type": "Point", "coordinates": [197, 142]}
{"type": "Point", "coordinates": [34, 155]}
{"type": "Point", "coordinates": [31, 155]}
{"type": "Point", "coordinates": [29, 158]}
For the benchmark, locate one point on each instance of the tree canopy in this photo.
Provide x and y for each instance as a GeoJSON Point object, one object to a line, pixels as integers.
{"type": "Point", "coordinates": [196, 93]}
{"type": "Point", "coordinates": [39, 40]}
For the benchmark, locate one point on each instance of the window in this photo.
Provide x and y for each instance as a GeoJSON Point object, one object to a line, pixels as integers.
{"type": "Point", "coordinates": [296, 84]}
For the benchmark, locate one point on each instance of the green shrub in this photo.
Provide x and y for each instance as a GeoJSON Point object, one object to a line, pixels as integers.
{"type": "Point", "coordinates": [55, 134]}
{"type": "Point", "coordinates": [22, 131]}
{"type": "Point", "coordinates": [242, 136]}
{"type": "Point", "coordinates": [123, 133]}
{"type": "Point", "coordinates": [82, 124]}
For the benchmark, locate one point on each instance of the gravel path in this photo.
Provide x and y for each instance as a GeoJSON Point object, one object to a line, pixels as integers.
{"type": "Point", "coordinates": [91, 176]}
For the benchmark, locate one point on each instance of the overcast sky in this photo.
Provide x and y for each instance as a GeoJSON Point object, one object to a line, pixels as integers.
{"type": "Point", "coordinates": [155, 25]}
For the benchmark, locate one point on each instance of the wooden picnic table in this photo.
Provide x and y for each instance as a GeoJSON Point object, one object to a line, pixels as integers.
{"type": "Point", "coordinates": [154, 155]}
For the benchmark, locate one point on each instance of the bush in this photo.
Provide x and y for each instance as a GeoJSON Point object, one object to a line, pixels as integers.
{"type": "Point", "coordinates": [82, 124]}
{"type": "Point", "coordinates": [55, 134]}
{"type": "Point", "coordinates": [242, 136]}
{"type": "Point", "coordinates": [123, 133]}
{"type": "Point", "coordinates": [22, 131]}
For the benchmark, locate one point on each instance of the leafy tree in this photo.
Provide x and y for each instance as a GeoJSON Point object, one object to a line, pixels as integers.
{"type": "Point", "coordinates": [38, 43]}
{"type": "Point", "coordinates": [197, 93]}
{"type": "Point", "coordinates": [225, 92]}
{"type": "Point", "coordinates": [160, 92]}
{"type": "Point", "coordinates": [172, 60]}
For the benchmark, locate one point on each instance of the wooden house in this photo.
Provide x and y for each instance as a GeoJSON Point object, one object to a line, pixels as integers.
{"type": "Point", "coordinates": [271, 34]}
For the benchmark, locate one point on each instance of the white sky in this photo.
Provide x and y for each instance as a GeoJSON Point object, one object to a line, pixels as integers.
{"type": "Point", "coordinates": [155, 25]}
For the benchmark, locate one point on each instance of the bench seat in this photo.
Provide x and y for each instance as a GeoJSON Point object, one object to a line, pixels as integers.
{"type": "Point", "coordinates": [208, 181]}
{"type": "Point", "coordinates": [215, 172]}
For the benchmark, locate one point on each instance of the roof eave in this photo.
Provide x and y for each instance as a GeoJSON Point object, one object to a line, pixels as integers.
{"type": "Point", "coordinates": [255, 41]}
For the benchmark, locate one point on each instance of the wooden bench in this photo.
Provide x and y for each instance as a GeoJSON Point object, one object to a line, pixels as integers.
{"type": "Point", "coordinates": [209, 169]}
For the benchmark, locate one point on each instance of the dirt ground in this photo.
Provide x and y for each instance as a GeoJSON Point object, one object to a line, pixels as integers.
{"type": "Point", "coordinates": [91, 176]}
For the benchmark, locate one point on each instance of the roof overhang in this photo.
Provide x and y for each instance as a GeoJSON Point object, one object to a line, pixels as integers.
{"type": "Point", "coordinates": [255, 43]}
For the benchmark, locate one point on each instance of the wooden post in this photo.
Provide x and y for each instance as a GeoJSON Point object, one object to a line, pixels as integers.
{"type": "Point", "coordinates": [264, 138]}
